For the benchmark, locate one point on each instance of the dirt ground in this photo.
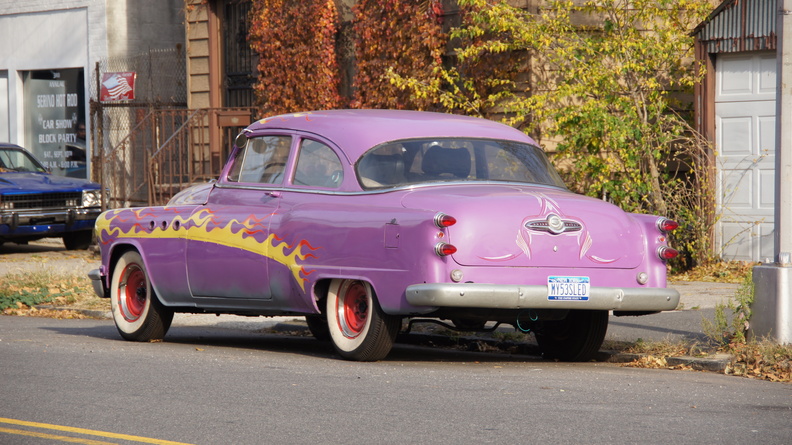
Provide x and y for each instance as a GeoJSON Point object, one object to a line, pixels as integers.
{"type": "Point", "coordinates": [47, 254]}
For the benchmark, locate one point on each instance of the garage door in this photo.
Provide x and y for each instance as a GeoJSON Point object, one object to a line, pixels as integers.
{"type": "Point", "coordinates": [745, 144]}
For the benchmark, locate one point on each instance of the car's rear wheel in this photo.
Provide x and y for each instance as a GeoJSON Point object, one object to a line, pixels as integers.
{"type": "Point", "coordinates": [359, 329]}
{"type": "Point", "coordinates": [576, 338]}
{"type": "Point", "coordinates": [78, 240]}
{"type": "Point", "coordinates": [137, 312]}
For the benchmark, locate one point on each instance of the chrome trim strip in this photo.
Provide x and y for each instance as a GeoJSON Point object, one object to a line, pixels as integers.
{"type": "Point", "coordinates": [541, 225]}
{"type": "Point", "coordinates": [281, 188]}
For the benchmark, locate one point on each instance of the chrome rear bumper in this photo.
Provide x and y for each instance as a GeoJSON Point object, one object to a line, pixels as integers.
{"type": "Point", "coordinates": [535, 297]}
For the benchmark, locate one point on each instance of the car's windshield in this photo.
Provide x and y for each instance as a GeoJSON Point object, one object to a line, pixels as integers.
{"type": "Point", "coordinates": [420, 161]}
{"type": "Point", "coordinates": [13, 160]}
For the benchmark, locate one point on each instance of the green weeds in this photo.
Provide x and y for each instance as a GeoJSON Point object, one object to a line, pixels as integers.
{"type": "Point", "coordinates": [732, 319]}
{"type": "Point", "coordinates": [20, 293]}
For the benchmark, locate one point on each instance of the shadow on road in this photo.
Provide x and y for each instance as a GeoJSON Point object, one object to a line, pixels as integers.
{"type": "Point", "coordinates": [34, 247]}
{"type": "Point", "coordinates": [414, 350]}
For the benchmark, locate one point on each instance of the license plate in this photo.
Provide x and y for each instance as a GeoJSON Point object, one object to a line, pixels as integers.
{"type": "Point", "coordinates": [568, 288]}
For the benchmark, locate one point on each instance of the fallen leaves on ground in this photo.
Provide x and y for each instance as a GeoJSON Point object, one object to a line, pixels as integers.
{"type": "Point", "coordinates": [763, 360]}
{"type": "Point", "coordinates": [716, 271]}
{"type": "Point", "coordinates": [27, 311]}
{"type": "Point", "coordinates": [655, 362]}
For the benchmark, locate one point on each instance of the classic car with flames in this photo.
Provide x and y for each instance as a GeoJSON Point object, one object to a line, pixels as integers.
{"type": "Point", "coordinates": [361, 219]}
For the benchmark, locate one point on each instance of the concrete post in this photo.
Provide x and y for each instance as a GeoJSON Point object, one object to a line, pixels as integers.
{"type": "Point", "coordinates": [772, 308]}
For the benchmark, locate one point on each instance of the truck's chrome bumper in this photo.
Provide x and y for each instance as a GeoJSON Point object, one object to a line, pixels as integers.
{"type": "Point", "coordinates": [535, 297]}
{"type": "Point", "coordinates": [47, 216]}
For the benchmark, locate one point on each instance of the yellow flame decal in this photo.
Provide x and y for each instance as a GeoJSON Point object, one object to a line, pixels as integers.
{"type": "Point", "coordinates": [201, 226]}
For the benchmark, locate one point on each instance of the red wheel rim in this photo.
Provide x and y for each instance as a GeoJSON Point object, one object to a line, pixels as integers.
{"type": "Point", "coordinates": [132, 292]}
{"type": "Point", "coordinates": [354, 309]}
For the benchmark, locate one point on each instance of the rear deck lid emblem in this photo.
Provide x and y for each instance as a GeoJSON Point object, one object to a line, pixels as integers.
{"type": "Point", "coordinates": [553, 224]}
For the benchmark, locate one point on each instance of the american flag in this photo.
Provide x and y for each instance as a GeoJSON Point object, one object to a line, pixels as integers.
{"type": "Point", "coordinates": [117, 85]}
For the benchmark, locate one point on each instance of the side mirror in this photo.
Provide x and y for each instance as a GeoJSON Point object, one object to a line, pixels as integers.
{"type": "Point", "coordinates": [241, 140]}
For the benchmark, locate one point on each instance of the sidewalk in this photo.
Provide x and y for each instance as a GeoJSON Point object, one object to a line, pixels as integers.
{"type": "Point", "coordinates": [703, 295]}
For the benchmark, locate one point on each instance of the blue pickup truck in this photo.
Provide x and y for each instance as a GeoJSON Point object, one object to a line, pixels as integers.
{"type": "Point", "coordinates": [35, 204]}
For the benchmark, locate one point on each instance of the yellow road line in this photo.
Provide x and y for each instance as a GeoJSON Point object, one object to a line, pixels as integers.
{"type": "Point", "coordinates": [53, 437]}
{"type": "Point", "coordinates": [89, 432]}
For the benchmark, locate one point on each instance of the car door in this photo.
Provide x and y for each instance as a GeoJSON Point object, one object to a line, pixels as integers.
{"type": "Point", "coordinates": [299, 224]}
{"type": "Point", "coordinates": [229, 243]}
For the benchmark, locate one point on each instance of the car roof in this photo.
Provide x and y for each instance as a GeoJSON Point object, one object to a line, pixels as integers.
{"type": "Point", "coordinates": [356, 131]}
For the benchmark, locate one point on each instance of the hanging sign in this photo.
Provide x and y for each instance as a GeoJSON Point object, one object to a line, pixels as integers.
{"type": "Point", "coordinates": [118, 86]}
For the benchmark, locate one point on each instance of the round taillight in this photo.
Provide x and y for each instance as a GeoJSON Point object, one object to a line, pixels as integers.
{"type": "Point", "coordinates": [442, 220]}
{"type": "Point", "coordinates": [667, 225]}
{"type": "Point", "coordinates": [667, 253]}
{"type": "Point", "coordinates": [443, 249]}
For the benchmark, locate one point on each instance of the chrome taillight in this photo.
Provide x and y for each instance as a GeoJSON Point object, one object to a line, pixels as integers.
{"type": "Point", "coordinates": [442, 220]}
{"type": "Point", "coordinates": [667, 225]}
{"type": "Point", "coordinates": [667, 253]}
{"type": "Point", "coordinates": [444, 249]}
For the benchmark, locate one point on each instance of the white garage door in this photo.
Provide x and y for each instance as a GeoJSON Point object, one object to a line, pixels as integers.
{"type": "Point", "coordinates": [745, 144]}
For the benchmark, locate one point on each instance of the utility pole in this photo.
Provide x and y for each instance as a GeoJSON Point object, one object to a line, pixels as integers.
{"type": "Point", "coordinates": [772, 308]}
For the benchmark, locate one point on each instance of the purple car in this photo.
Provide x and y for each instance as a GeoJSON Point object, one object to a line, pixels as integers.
{"type": "Point", "coordinates": [359, 220]}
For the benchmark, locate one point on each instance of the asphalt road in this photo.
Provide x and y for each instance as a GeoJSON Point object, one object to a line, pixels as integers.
{"type": "Point", "coordinates": [209, 385]}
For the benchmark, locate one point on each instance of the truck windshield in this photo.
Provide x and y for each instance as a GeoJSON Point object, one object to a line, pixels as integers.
{"type": "Point", "coordinates": [14, 160]}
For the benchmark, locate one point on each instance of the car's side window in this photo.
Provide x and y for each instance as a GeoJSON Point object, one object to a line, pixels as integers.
{"type": "Point", "coordinates": [318, 166]}
{"type": "Point", "coordinates": [262, 161]}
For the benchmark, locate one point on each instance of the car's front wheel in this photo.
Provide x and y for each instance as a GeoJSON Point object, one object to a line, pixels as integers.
{"type": "Point", "coordinates": [574, 339]}
{"type": "Point", "coordinates": [359, 329]}
{"type": "Point", "coordinates": [137, 312]}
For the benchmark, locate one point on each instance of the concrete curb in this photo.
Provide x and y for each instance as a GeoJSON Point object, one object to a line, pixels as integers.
{"type": "Point", "coordinates": [712, 363]}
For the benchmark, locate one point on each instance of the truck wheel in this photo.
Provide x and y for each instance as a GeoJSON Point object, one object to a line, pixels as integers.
{"type": "Point", "coordinates": [78, 240]}
{"type": "Point", "coordinates": [137, 312]}
{"type": "Point", "coordinates": [574, 339]}
{"type": "Point", "coordinates": [359, 329]}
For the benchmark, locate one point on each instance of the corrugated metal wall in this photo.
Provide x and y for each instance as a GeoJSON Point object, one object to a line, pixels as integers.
{"type": "Point", "coordinates": [740, 25]}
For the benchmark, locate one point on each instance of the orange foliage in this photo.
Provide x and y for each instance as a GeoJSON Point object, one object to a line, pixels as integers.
{"type": "Point", "coordinates": [298, 68]}
{"type": "Point", "coordinates": [405, 35]}
{"type": "Point", "coordinates": [299, 57]}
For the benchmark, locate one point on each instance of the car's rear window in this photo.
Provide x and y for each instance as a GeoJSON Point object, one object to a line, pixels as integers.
{"type": "Point", "coordinates": [413, 161]}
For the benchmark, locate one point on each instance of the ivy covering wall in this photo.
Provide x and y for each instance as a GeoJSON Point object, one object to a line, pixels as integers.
{"type": "Point", "coordinates": [296, 44]}
{"type": "Point", "coordinates": [400, 36]}
{"type": "Point", "coordinates": [299, 52]}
